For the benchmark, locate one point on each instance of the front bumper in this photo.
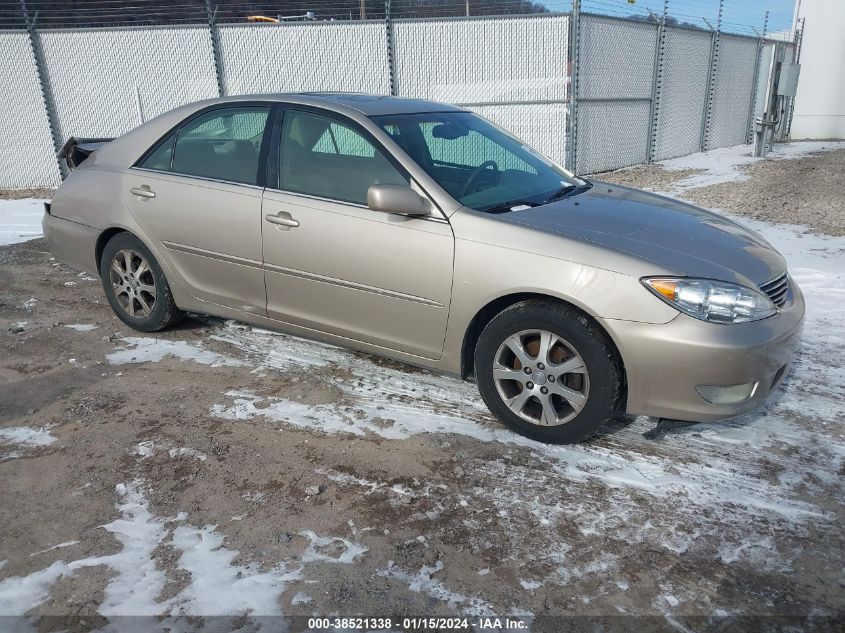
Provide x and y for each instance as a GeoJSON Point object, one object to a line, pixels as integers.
{"type": "Point", "coordinates": [665, 363]}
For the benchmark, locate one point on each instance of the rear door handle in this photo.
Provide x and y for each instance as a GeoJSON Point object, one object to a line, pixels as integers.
{"type": "Point", "coordinates": [143, 191]}
{"type": "Point", "coordinates": [282, 220]}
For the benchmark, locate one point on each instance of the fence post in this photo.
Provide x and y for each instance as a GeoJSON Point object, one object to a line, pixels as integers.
{"type": "Point", "coordinates": [749, 128]}
{"type": "Point", "coordinates": [711, 84]}
{"type": "Point", "coordinates": [798, 40]}
{"type": "Point", "coordinates": [391, 62]}
{"type": "Point", "coordinates": [44, 84]}
{"type": "Point", "coordinates": [656, 82]}
{"type": "Point", "coordinates": [574, 56]}
{"type": "Point", "coordinates": [215, 46]}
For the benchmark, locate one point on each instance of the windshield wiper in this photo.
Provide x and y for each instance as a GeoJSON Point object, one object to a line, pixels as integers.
{"type": "Point", "coordinates": [566, 191]}
{"type": "Point", "coordinates": [508, 206]}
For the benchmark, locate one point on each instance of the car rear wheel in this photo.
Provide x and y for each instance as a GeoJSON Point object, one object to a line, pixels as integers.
{"type": "Point", "coordinates": [548, 372]}
{"type": "Point", "coordinates": [135, 285]}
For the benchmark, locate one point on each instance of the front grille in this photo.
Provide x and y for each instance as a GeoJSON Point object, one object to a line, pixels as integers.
{"type": "Point", "coordinates": [776, 289]}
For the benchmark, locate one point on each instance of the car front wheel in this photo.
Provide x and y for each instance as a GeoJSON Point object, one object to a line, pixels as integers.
{"type": "Point", "coordinates": [548, 372]}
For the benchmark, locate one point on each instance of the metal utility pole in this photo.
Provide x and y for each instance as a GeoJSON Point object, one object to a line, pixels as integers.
{"type": "Point", "coordinates": [574, 46]}
{"type": "Point", "coordinates": [711, 84]}
{"type": "Point", "coordinates": [798, 42]}
{"type": "Point", "coordinates": [657, 82]}
{"type": "Point", "coordinates": [391, 58]}
{"type": "Point", "coordinates": [467, 5]}
{"type": "Point", "coordinates": [43, 82]}
{"type": "Point", "coordinates": [761, 40]}
{"type": "Point", "coordinates": [215, 46]}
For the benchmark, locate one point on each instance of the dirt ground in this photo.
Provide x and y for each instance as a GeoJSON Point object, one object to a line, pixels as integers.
{"type": "Point", "coordinates": [809, 191]}
{"type": "Point", "coordinates": [220, 470]}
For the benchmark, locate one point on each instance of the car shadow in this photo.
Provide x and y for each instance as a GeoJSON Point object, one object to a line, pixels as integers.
{"type": "Point", "coordinates": [193, 322]}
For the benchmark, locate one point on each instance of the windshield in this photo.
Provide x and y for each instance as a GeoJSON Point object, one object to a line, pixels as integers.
{"type": "Point", "coordinates": [479, 164]}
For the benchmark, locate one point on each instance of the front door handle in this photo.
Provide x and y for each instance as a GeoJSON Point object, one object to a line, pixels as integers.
{"type": "Point", "coordinates": [282, 219]}
{"type": "Point", "coordinates": [143, 191]}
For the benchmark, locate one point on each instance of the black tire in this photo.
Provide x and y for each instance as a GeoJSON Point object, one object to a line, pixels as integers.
{"type": "Point", "coordinates": [606, 381]}
{"type": "Point", "coordinates": [163, 312]}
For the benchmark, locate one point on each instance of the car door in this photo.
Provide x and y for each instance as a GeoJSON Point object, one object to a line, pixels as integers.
{"type": "Point", "coordinates": [197, 196]}
{"type": "Point", "coordinates": [334, 265]}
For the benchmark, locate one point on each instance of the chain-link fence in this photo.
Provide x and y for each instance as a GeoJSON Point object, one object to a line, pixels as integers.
{"type": "Point", "coordinates": [733, 91]}
{"type": "Point", "coordinates": [516, 78]}
{"type": "Point", "coordinates": [27, 154]}
{"type": "Point", "coordinates": [349, 56]}
{"type": "Point", "coordinates": [105, 82]}
{"type": "Point", "coordinates": [594, 92]}
{"type": "Point", "coordinates": [614, 92]}
{"type": "Point", "coordinates": [683, 92]}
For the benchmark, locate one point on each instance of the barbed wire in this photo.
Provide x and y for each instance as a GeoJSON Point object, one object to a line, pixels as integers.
{"type": "Point", "coordinates": [104, 13]}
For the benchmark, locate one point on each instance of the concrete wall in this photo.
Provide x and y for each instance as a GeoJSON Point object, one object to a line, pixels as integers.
{"type": "Point", "coordinates": [820, 102]}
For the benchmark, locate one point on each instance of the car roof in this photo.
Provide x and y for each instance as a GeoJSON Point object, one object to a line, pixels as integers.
{"type": "Point", "coordinates": [366, 104]}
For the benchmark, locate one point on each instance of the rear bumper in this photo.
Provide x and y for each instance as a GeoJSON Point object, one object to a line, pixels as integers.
{"type": "Point", "coordinates": [665, 363]}
{"type": "Point", "coordinates": [72, 243]}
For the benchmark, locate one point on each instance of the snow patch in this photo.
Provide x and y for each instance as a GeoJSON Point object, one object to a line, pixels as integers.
{"type": "Point", "coordinates": [346, 478]}
{"type": "Point", "coordinates": [26, 436]}
{"type": "Point", "coordinates": [154, 350]}
{"type": "Point", "coordinates": [622, 467]}
{"type": "Point", "coordinates": [138, 581]}
{"type": "Point", "coordinates": [725, 163]}
{"type": "Point", "coordinates": [220, 587]}
{"type": "Point", "coordinates": [20, 220]}
{"type": "Point", "coordinates": [530, 585]}
{"type": "Point", "coordinates": [134, 588]}
{"type": "Point", "coordinates": [422, 582]}
{"type": "Point", "coordinates": [363, 419]}
{"type": "Point", "coordinates": [144, 449]}
{"type": "Point", "coordinates": [217, 587]}
{"type": "Point", "coordinates": [319, 548]}
{"type": "Point", "coordinates": [187, 453]}
{"type": "Point", "coordinates": [82, 327]}
{"type": "Point", "coordinates": [19, 594]}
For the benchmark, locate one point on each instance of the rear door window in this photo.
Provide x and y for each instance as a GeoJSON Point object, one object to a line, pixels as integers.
{"type": "Point", "coordinates": [222, 144]}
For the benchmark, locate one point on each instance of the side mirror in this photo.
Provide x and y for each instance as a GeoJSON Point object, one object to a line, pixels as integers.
{"type": "Point", "coordinates": [399, 199]}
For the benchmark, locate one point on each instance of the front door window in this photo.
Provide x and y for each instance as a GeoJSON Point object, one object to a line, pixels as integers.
{"type": "Point", "coordinates": [322, 157]}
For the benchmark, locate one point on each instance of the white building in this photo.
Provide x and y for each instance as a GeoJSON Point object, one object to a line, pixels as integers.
{"type": "Point", "coordinates": [820, 100]}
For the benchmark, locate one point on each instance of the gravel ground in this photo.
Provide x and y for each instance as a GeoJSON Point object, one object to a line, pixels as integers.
{"type": "Point", "coordinates": [807, 191]}
{"type": "Point", "coordinates": [20, 194]}
{"type": "Point", "coordinates": [651, 177]}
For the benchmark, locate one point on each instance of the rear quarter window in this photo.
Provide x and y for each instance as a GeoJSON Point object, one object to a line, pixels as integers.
{"type": "Point", "coordinates": [160, 157]}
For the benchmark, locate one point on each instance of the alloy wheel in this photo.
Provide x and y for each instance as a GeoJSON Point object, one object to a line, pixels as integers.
{"type": "Point", "coordinates": [541, 377]}
{"type": "Point", "coordinates": [133, 283]}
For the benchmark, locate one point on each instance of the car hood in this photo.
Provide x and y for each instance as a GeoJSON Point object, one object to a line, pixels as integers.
{"type": "Point", "coordinates": [675, 235]}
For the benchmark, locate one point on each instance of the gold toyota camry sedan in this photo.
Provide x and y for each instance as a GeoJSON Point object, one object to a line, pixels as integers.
{"type": "Point", "coordinates": [422, 232]}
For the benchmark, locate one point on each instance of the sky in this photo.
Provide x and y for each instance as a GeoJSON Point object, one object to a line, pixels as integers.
{"type": "Point", "coordinates": [736, 12]}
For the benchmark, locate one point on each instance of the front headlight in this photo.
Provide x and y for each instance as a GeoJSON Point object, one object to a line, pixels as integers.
{"type": "Point", "coordinates": [714, 301]}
